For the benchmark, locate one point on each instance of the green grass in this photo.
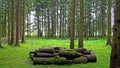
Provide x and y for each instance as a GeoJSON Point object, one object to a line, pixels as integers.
{"type": "Point", "coordinates": [18, 57]}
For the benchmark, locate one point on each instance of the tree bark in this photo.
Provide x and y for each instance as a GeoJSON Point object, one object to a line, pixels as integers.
{"type": "Point", "coordinates": [12, 24]}
{"type": "Point", "coordinates": [9, 21]}
{"type": "Point", "coordinates": [72, 24]}
{"type": "Point", "coordinates": [17, 22]}
{"type": "Point", "coordinates": [115, 53]}
{"type": "Point", "coordinates": [23, 27]}
{"type": "Point", "coordinates": [109, 24]}
{"type": "Point", "coordinates": [0, 34]}
{"type": "Point", "coordinates": [80, 43]}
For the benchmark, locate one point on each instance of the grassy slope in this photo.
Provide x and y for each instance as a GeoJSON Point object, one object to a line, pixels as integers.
{"type": "Point", "coordinates": [18, 57]}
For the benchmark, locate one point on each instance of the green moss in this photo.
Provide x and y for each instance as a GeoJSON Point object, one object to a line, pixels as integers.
{"type": "Point", "coordinates": [60, 60]}
{"type": "Point", "coordinates": [78, 54]}
{"type": "Point", "coordinates": [68, 54]}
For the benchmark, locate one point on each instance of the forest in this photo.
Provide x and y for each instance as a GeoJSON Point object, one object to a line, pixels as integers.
{"type": "Point", "coordinates": [31, 29]}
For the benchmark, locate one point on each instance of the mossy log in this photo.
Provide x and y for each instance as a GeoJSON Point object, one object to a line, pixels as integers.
{"type": "Point", "coordinates": [80, 50]}
{"type": "Point", "coordinates": [61, 61]}
{"type": "Point", "coordinates": [54, 60]}
{"type": "Point", "coordinates": [81, 59]}
{"type": "Point", "coordinates": [78, 55]}
{"type": "Point", "coordinates": [68, 54]}
{"type": "Point", "coordinates": [91, 58]}
{"type": "Point", "coordinates": [60, 56]}
{"type": "Point", "coordinates": [46, 50]}
{"type": "Point", "coordinates": [31, 54]}
{"type": "Point", "coordinates": [56, 49]}
{"type": "Point", "coordinates": [37, 60]}
{"type": "Point", "coordinates": [88, 52]}
{"type": "Point", "coordinates": [46, 55]}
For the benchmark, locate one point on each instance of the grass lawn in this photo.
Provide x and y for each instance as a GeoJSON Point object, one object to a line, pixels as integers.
{"type": "Point", "coordinates": [18, 57]}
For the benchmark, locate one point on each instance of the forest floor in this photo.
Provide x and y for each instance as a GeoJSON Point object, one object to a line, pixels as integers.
{"type": "Point", "coordinates": [18, 57]}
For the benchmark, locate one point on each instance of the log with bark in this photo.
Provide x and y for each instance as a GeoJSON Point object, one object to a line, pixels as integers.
{"type": "Point", "coordinates": [54, 60]}
{"type": "Point", "coordinates": [88, 52]}
{"type": "Point", "coordinates": [91, 58]}
{"type": "Point", "coordinates": [46, 50]}
{"type": "Point", "coordinates": [61, 61]}
{"type": "Point", "coordinates": [31, 54]}
{"type": "Point", "coordinates": [46, 55]}
{"type": "Point", "coordinates": [81, 59]}
{"type": "Point", "coordinates": [80, 50]}
{"type": "Point", "coordinates": [37, 60]}
{"type": "Point", "coordinates": [56, 49]}
{"type": "Point", "coordinates": [68, 54]}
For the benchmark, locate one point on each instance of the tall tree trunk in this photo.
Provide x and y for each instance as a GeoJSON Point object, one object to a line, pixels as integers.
{"type": "Point", "coordinates": [12, 24]}
{"type": "Point", "coordinates": [23, 27]}
{"type": "Point", "coordinates": [5, 21]}
{"type": "Point", "coordinates": [57, 29]}
{"type": "Point", "coordinates": [72, 24]}
{"type": "Point", "coordinates": [21, 18]}
{"type": "Point", "coordinates": [53, 19]}
{"type": "Point", "coordinates": [17, 22]}
{"type": "Point", "coordinates": [80, 43]}
{"type": "Point", "coordinates": [9, 21]}
{"type": "Point", "coordinates": [0, 22]}
{"type": "Point", "coordinates": [0, 35]}
{"type": "Point", "coordinates": [109, 24]}
{"type": "Point", "coordinates": [60, 21]}
{"type": "Point", "coordinates": [115, 53]}
{"type": "Point", "coordinates": [48, 12]}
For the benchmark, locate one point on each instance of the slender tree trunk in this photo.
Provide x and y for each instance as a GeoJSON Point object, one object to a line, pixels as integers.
{"type": "Point", "coordinates": [80, 43]}
{"type": "Point", "coordinates": [109, 24]}
{"type": "Point", "coordinates": [0, 32]}
{"type": "Point", "coordinates": [17, 22]}
{"type": "Point", "coordinates": [24, 16]}
{"type": "Point", "coordinates": [5, 22]}
{"type": "Point", "coordinates": [60, 21]}
{"type": "Point", "coordinates": [57, 29]}
{"type": "Point", "coordinates": [9, 22]}
{"type": "Point", "coordinates": [115, 53]}
{"type": "Point", "coordinates": [12, 24]}
{"type": "Point", "coordinates": [21, 18]}
{"type": "Point", "coordinates": [72, 24]}
{"type": "Point", "coordinates": [0, 23]}
{"type": "Point", "coordinates": [48, 23]}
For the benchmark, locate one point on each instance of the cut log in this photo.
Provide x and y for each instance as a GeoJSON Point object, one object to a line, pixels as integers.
{"type": "Point", "coordinates": [87, 52]}
{"type": "Point", "coordinates": [81, 59]}
{"type": "Point", "coordinates": [80, 50]}
{"type": "Point", "coordinates": [31, 54]}
{"type": "Point", "coordinates": [37, 60]}
{"type": "Point", "coordinates": [68, 54]}
{"type": "Point", "coordinates": [46, 50]}
{"type": "Point", "coordinates": [78, 55]}
{"type": "Point", "coordinates": [91, 58]}
{"type": "Point", "coordinates": [62, 61]}
{"type": "Point", "coordinates": [46, 55]}
{"type": "Point", "coordinates": [56, 49]}
{"type": "Point", "coordinates": [54, 60]}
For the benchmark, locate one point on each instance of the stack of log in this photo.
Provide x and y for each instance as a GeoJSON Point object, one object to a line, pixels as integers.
{"type": "Point", "coordinates": [59, 56]}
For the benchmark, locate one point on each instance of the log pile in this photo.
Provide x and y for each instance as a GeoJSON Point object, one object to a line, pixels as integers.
{"type": "Point", "coordinates": [60, 56]}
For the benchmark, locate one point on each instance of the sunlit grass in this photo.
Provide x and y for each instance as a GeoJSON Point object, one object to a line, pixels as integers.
{"type": "Point", "coordinates": [18, 57]}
